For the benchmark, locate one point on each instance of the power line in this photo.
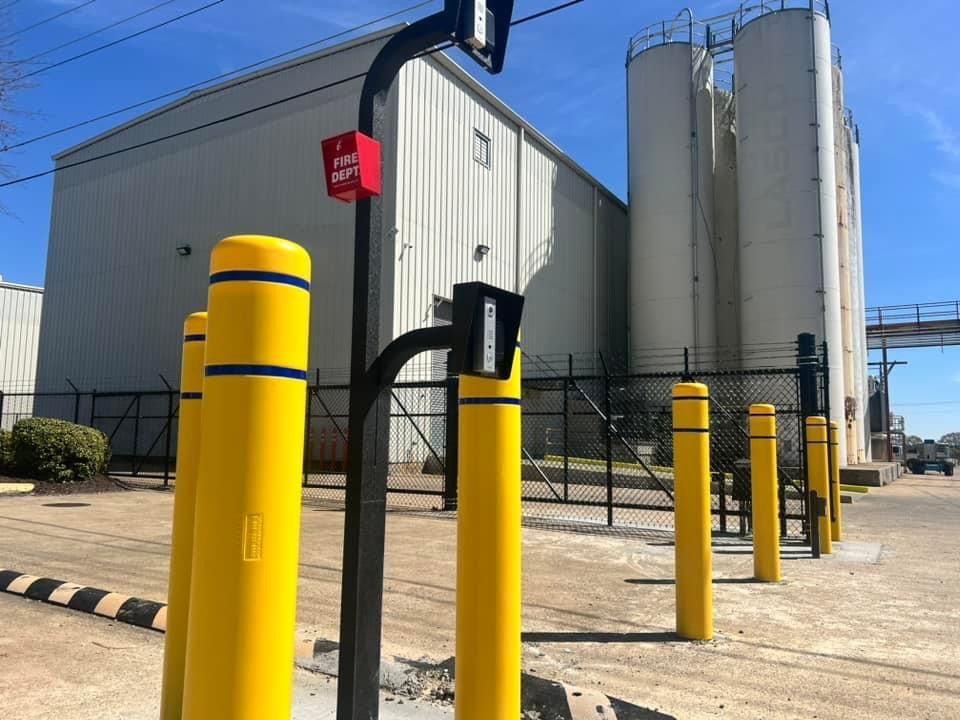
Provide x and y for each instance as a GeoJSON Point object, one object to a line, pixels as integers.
{"type": "Point", "coordinates": [201, 83]}
{"type": "Point", "coordinates": [8, 5]}
{"type": "Point", "coordinates": [250, 111]}
{"type": "Point", "coordinates": [924, 404]}
{"type": "Point", "coordinates": [95, 32]}
{"type": "Point", "coordinates": [119, 40]}
{"type": "Point", "coordinates": [46, 20]}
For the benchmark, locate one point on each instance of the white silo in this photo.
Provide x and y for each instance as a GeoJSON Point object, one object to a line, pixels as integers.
{"type": "Point", "coordinates": [789, 265]}
{"type": "Point", "coordinates": [862, 369]}
{"type": "Point", "coordinates": [846, 256]}
{"type": "Point", "coordinates": [725, 232]}
{"type": "Point", "coordinates": [672, 266]}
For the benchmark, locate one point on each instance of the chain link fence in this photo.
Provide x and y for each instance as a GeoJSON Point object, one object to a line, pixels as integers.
{"type": "Point", "coordinates": [599, 450]}
{"type": "Point", "coordinates": [597, 445]}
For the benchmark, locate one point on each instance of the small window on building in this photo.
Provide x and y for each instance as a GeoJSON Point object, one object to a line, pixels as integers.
{"type": "Point", "coordinates": [481, 148]}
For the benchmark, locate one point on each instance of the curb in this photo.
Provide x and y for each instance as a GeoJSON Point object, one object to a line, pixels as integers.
{"type": "Point", "coordinates": [113, 606]}
{"type": "Point", "coordinates": [424, 680]}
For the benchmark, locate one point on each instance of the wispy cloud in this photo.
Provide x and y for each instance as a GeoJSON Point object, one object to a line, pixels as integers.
{"type": "Point", "coordinates": [950, 180]}
{"type": "Point", "coordinates": [944, 138]}
{"type": "Point", "coordinates": [940, 133]}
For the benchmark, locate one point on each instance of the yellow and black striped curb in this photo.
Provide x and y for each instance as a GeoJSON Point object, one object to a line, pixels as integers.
{"type": "Point", "coordinates": [114, 606]}
{"type": "Point", "coordinates": [541, 698]}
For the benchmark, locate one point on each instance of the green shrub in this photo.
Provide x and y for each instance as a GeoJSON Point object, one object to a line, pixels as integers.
{"type": "Point", "coordinates": [6, 452]}
{"type": "Point", "coordinates": [58, 451]}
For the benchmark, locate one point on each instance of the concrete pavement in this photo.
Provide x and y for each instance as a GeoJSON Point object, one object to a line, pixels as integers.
{"type": "Point", "coordinates": [869, 633]}
{"type": "Point", "coordinates": [60, 664]}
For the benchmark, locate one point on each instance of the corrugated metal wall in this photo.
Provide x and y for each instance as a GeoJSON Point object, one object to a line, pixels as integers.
{"type": "Point", "coordinates": [448, 203]}
{"type": "Point", "coordinates": [20, 311]}
{"type": "Point", "coordinates": [118, 289]}
{"type": "Point", "coordinates": [568, 257]}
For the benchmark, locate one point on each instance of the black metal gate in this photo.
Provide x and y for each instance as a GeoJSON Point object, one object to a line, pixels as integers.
{"type": "Point", "coordinates": [598, 449]}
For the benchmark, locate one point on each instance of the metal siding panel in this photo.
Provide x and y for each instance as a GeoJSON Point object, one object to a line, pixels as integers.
{"type": "Point", "coordinates": [20, 313]}
{"type": "Point", "coordinates": [119, 290]}
{"type": "Point", "coordinates": [448, 203]}
{"type": "Point", "coordinates": [613, 243]}
{"type": "Point", "coordinates": [556, 256]}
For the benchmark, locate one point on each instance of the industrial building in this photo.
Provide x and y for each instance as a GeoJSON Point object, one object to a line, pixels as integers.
{"type": "Point", "coordinates": [745, 214]}
{"type": "Point", "coordinates": [744, 226]}
{"type": "Point", "coordinates": [473, 192]}
{"type": "Point", "coordinates": [20, 310]}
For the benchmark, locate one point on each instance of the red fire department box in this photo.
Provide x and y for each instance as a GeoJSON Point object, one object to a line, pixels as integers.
{"type": "Point", "coordinates": [352, 165]}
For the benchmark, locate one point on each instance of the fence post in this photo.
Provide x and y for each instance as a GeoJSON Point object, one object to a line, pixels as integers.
{"type": "Point", "coordinates": [76, 400]}
{"type": "Point", "coordinates": [451, 455]}
{"type": "Point", "coordinates": [136, 435]}
{"type": "Point", "coordinates": [307, 444]}
{"type": "Point", "coordinates": [809, 406]}
{"type": "Point", "coordinates": [609, 444]}
{"type": "Point", "coordinates": [807, 363]}
{"type": "Point", "coordinates": [93, 407]}
{"type": "Point", "coordinates": [1, 408]}
{"type": "Point", "coordinates": [168, 441]}
{"type": "Point", "coordinates": [566, 429]}
{"type": "Point", "coordinates": [722, 497]}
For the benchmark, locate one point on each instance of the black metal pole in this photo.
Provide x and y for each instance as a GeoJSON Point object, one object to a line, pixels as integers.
{"type": "Point", "coordinates": [76, 401]}
{"type": "Point", "coordinates": [814, 520]}
{"type": "Point", "coordinates": [168, 441]}
{"type": "Point", "coordinates": [566, 429]}
{"type": "Point", "coordinates": [361, 602]}
{"type": "Point", "coordinates": [609, 445]}
{"type": "Point", "coordinates": [886, 402]}
{"type": "Point", "coordinates": [136, 436]}
{"type": "Point", "coordinates": [722, 495]}
{"type": "Point", "coordinates": [807, 363]}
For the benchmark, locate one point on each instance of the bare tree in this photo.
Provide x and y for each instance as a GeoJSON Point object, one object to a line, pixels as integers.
{"type": "Point", "coordinates": [11, 85]}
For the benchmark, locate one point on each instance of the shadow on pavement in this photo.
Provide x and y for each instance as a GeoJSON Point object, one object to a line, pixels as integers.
{"type": "Point", "coordinates": [600, 637]}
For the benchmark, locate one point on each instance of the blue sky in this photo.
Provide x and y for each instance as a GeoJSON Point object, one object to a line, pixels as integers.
{"type": "Point", "coordinates": [565, 73]}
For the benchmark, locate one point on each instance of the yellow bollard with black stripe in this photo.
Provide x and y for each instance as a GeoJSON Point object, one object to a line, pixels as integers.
{"type": "Point", "coordinates": [818, 475]}
{"type": "Point", "coordinates": [691, 462]}
{"type": "Point", "coordinates": [184, 503]}
{"type": "Point", "coordinates": [240, 641]}
{"type": "Point", "coordinates": [764, 492]}
{"type": "Point", "coordinates": [836, 513]}
{"type": "Point", "coordinates": [488, 549]}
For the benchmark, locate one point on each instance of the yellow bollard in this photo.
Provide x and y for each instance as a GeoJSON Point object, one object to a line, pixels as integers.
{"type": "Point", "coordinates": [764, 489]}
{"type": "Point", "coordinates": [243, 597]}
{"type": "Point", "coordinates": [691, 462]}
{"type": "Point", "coordinates": [488, 549]}
{"type": "Point", "coordinates": [818, 474]}
{"type": "Point", "coordinates": [184, 503]}
{"type": "Point", "coordinates": [836, 520]}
